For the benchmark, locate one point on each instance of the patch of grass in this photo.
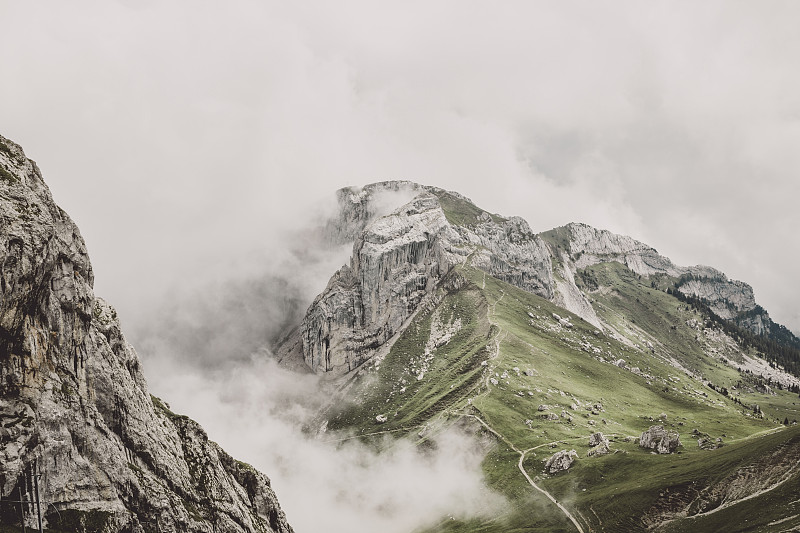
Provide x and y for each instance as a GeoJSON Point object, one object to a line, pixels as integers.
{"type": "Point", "coordinates": [161, 406]}
{"type": "Point", "coordinates": [7, 176]}
{"type": "Point", "coordinates": [71, 520]}
{"type": "Point", "coordinates": [461, 212]}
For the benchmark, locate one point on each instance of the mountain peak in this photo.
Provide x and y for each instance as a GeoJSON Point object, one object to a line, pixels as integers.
{"type": "Point", "coordinates": [406, 236]}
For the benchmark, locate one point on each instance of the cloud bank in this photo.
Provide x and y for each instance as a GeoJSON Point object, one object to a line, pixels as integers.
{"type": "Point", "coordinates": [181, 134]}
{"type": "Point", "coordinates": [256, 410]}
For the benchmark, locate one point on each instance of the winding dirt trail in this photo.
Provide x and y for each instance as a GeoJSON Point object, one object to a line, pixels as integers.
{"type": "Point", "coordinates": [525, 473]}
{"type": "Point", "coordinates": [498, 339]}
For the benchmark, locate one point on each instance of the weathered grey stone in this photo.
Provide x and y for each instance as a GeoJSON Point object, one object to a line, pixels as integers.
{"type": "Point", "coordinates": [398, 259]}
{"type": "Point", "coordinates": [660, 440]}
{"type": "Point", "coordinates": [75, 403]}
{"type": "Point", "coordinates": [597, 438]}
{"type": "Point", "coordinates": [599, 444]}
{"type": "Point", "coordinates": [560, 461]}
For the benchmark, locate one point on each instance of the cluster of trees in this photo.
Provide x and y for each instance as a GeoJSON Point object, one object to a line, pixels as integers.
{"type": "Point", "coordinates": [721, 390]}
{"type": "Point", "coordinates": [686, 278]}
{"type": "Point", "coordinates": [782, 349]}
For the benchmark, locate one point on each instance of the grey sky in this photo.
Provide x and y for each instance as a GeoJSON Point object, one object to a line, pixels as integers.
{"type": "Point", "coordinates": [179, 135]}
{"type": "Point", "coordinates": [190, 139]}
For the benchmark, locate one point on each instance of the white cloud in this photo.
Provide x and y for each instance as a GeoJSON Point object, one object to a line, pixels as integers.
{"type": "Point", "coordinates": [257, 410]}
{"type": "Point", "coordinates": [181, 134]}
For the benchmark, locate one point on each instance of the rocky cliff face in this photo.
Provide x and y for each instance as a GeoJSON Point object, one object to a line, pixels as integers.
{"type": "Point", "coordinates": [399, 257]}
{"type": "Point", "coordinates": [76, 419]}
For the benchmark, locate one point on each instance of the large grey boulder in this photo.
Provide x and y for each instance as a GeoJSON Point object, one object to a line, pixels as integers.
{"type": "Point", "coordinates": [599, 444]}
{"type": "Point", "coordinates": [659, 440]}
{"type": "Point", "coordinates": [560, 461]}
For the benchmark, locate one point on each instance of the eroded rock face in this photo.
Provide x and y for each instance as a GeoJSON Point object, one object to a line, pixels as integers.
{"type": "Point", "coordinates": [398, 259]}
{"type": "Point", "coordinates": [560, 461]}
{"type": "Point", "coordinates": [659, 440]}
{"type": "Point", "coordinates": [74, 403]}
{"type": "Point", "coordinates": [589, 246]}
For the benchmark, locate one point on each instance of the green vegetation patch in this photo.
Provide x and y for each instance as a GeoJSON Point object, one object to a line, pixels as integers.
{"type": "Point", "coordinates": [71, 521]}
{"type": "Point", "coordinates": [462, 212]}
{"type": "Point", "coordinates": [546, 386]}
{"type": "Point", "coordinates": [7, 176]}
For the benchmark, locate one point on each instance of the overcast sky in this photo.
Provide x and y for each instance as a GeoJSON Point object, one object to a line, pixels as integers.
{"type": "Point", "coordinates": [187, 138]}
{"type": "Point", "coordinates": [181, 135]}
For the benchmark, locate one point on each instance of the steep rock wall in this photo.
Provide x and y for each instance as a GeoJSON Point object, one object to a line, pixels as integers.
{"type": "Point", "coordinates": [74, 405]}
{"type": "Point", "coordinates": [397, 260]}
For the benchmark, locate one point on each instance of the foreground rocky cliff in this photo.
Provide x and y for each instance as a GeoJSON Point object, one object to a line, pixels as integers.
{"type": "Point", "coordinates": [78, 427]}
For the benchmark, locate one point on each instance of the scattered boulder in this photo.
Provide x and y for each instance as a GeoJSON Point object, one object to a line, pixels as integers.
{"type": "Point", "coordinates": [620, 363]}
{"type": "Point", "coordinates": [601, 449]}
{"type": "Point", "coordinates": [381, 419]}
{"type": "Point", "coordinates": [560, 461]}
{"type": "Point", "coordinates": [764, 389]}
{"type": "Point", "coordinates": [597, 438]}
{"type": "Point", "coordinates": [543, 407]}
{"type": "Point", "coordinates": [660, 440]}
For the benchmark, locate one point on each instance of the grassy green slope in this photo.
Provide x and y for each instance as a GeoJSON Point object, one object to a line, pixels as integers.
{"type": "Point", "coordinates": [532, 360]}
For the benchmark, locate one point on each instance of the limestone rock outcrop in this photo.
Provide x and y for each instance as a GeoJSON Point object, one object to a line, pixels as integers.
{"type": "Point", "coordinates": [660, 440]}
{"type": "Point", "coordinates": [599, 445]}
{"type": "Point", "coordinates": [578, 246]}
{"type": "Point", "coordinates": [398, 259]}
{"type": "Point", "coordinates": [78, 424]}
{"type": "Point", "coordinates": [560, 461]}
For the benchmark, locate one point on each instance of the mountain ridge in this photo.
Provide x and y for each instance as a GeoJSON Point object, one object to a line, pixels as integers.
{"type": "Point", "coordinates": [547, 267]}
{"type": "Point", "coordinates": [433, 324]}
